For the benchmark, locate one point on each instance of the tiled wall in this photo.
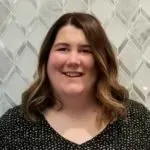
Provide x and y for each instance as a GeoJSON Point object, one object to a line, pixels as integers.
{"type": "Point", "coordinates": [24, 23]}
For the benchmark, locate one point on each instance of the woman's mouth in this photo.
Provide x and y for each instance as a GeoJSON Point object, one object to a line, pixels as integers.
{"type": "Point", "coordinates": [73, 74]}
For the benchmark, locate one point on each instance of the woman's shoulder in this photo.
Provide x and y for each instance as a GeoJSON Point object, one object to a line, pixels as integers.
{"type": "Point", "coordinates": [138, 114]}
{"type": "Point", "coordinates": [137, 108]}
{"type": "Point", "coordinates": [10, 116]}
{"type": "Point", "coordinates": [11, 120]}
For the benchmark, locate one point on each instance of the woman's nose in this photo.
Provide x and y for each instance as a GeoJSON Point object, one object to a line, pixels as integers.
{"type": "Point", "coordinates": [73, 58]}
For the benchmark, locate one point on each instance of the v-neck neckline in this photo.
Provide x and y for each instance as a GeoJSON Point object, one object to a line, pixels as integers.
{"type": "Point", "coordinates": [60, 138]}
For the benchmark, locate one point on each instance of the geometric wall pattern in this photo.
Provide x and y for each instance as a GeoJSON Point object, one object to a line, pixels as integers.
{"type": "Point", "coordinates": [24, 23]}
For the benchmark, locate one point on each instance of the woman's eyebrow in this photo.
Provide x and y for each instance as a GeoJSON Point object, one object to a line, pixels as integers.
{"type": "Point", "coordinates": [61, 44]}
{"type": "Point", "coordinates": [66, 44]}
{"type": "Point", "coordinates": [85, 46]}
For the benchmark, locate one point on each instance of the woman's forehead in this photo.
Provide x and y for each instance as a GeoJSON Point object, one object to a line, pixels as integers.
{"type": "Point", "coordinates": [69, 34]}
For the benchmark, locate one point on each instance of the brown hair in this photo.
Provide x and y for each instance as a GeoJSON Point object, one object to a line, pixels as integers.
{"type": "Point", "coordinates": [110, 94]}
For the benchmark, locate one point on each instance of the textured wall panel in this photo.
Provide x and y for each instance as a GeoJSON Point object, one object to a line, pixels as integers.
{"type": "Point", "coordinates": [24, 23]}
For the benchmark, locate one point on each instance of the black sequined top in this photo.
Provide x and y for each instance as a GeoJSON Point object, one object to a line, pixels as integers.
{"type": "Point", "coordinates": [131, 134]}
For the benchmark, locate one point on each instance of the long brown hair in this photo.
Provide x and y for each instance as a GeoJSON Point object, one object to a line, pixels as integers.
{"type": "Point", "coordinates": [109, 93]}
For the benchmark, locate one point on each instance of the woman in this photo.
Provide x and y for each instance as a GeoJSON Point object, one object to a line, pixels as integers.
{"type": "Point", "coordinates": [76, 101]}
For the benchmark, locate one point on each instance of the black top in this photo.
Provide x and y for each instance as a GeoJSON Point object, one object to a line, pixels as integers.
{"type": "Point", "coordinates": [131, 134]}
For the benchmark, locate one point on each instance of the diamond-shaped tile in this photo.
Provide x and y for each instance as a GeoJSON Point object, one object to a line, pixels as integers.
{"type": "Point", "coordinates": [13, 37]}
{"type": "Point", "coordinates": [141, 79]}
{"type": "Point", "coordinates": [4, 105]}
{"type": "Point", "coordinates": [135, 96]}
{"type": "Point", "coordinates": [114, 1]}
{"type": "Point", "coordinates": [50, 17]}
{"type": "Point", "coordinates": [147, 53]}
{"type": "Point", "coordinates": [24, 12]}
{"type": "Point", "coordinates": [10, 3]}
{"type": "Point", "coordinates": [1, 90]}
{"type": "Point", "coordinates": [5, 65]}
{"type": "Point", "coordinates": [128, 52]}
{"type": "Point", "coordinates": [139, 93]}
{"type": "Point", "coordinates": [145, 4]}
{"type": "Point", "coordinates": [87, 1]}
{"type": "Point", "coordinates": [2, 46]}
{"type": "Point", "coordinates": [50, 10]}
{"type": "Point", "coordinates": [116, 31]}
{"type": "Point", "coordinates": [148, 101]}
{"type": "Point", "coordinates": [14, 87]}
{"type": "Point", "coordinates": [72, 5]}
{"type": "Point", "coordinates": [27, 67]}
{"type": "Point", "coordinates": [127, 8]}
{"type": "Point", "coordinates": [50, 5]}
{"type": "Point", "coordinates": [39, 31]}
{"type": "Point", "coordinates": [123, 78]}
{"type": "Point", "coordinates": [4, 12]}
{"type": "Point", "coordinates": [102, 10]}
{"type": "Point", "coordinates": [61, 2]}
{"type": "Point", "coordinates": [140, 29]}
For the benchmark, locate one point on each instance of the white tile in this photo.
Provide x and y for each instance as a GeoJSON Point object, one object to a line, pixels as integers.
{"type": "Point", "coordinates": [147, 53]}
{"type": "Point", "coordinates": [102, 10]}
{"type": "Point", "coordinates": [145, 4]}
{"type": "Point", "coordinates": [14, 87]}
{"type": "Point", "coordinates": [127, 8]}
{"type": "Point", "coordinates": [13, 37]}
{"type": "Point", "coordinates": [2, 46]}
{"type": "Point", "coordinates": [116, 31]}
{"type": "Point", "coordinates": [10, 3]}
{"type": "Point", "coordinates": [5, 65]}
{"type": "Point", "coordinates": [142, 79]}
{"type": "Point", "coordinates": [114, 1]}
{"type": "Point", "coordinates": [130, 56]}
{"type": "Point", "coordinates": [25, 12]}
{"type": "Point", "coordinates": [133, 95]}
{"type": "Point", "coordinates": [87, 1]}
{"type": "Point", "coordinates": [123, 78]}
{"type": "Point", "coordinates": [50, 17]}
{"type": "Point", "coordinates": [148, 101]}
{"type": "Point", "coordinates": [50, 11]}
{"type": "Point", "coordinates": [50, 5]}
{"type": "Point", "coordinates": [27, 63]}
{"type": "Point", "coordinates": [72, 5]}
{"type": "Point", "coordinates": [4, 105]}
{"type": "Point", "coordinates": [37, 35]}
{"type": "Point", "coordinates": [1, 90]}
{"type": "Point", "coordinates": [140, 29]}
{"type": "Point", "coordinates": [4, 12]}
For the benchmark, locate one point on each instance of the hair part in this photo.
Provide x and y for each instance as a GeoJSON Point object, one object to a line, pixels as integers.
{"type": "Point", "coordinates": [109, 93]}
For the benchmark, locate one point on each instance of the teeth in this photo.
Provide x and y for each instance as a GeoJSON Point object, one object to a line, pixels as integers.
{"type": "Point", "coordinates": [73, 74]}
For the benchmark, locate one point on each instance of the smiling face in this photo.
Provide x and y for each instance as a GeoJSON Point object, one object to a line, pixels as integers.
{"type": "Point", "coordinates": [71, 66]}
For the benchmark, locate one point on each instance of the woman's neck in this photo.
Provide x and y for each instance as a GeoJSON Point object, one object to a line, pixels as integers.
{"type": "Point", "coordinates": [78, 105]}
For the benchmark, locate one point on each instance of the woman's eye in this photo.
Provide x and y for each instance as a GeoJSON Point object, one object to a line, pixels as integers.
{"type": "Point", "coordinates": [62, 49]}
{"type": "Point", "coordinates": [86, 50]}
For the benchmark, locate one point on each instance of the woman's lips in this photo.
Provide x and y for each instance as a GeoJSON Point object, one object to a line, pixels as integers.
{"type": "Point", "coordinates": [73, 74]}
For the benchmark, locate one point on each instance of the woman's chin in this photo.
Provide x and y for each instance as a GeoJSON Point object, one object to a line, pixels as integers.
{"type": "Point", "coordinates": [73, 90]}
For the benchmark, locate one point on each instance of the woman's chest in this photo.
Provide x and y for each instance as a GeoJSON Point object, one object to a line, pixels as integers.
{"type": "Point", "coordinates": [44, 137]}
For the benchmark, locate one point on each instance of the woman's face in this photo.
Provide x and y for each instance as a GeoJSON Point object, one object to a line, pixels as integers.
{"type": "Point", "coordinates": [71, 66]}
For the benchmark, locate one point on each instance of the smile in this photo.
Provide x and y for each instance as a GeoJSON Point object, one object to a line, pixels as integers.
{"type": "Point", "coordinates": [73, 74]}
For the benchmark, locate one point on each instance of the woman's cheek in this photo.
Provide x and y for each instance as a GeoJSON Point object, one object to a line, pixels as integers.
{"type": "Point", "coordinates": [56, 61]}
